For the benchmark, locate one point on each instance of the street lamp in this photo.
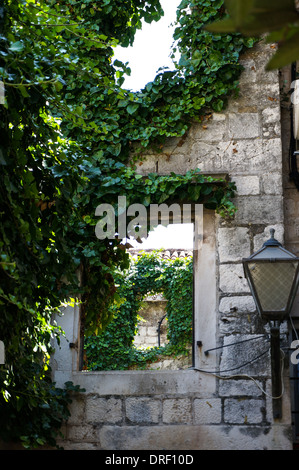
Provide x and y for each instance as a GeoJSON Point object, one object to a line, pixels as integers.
{"type": "Point", "coordinates": [273, 275]}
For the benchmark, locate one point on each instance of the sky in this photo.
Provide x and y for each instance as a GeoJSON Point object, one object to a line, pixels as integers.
{"type": "Point", "coordinates": [150, 51]}
{"type": "Point", "coordinates": [151, 48]}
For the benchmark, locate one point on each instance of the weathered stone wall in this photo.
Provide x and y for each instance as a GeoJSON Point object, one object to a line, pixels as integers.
{"type": "Point", "coordinates": [193, 409]}
{"type": "Point", "coordinates": [164, 410]}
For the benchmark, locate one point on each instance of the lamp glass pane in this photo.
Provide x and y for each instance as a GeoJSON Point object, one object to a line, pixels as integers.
{"type": "Point", "coordinates": [273, 283]}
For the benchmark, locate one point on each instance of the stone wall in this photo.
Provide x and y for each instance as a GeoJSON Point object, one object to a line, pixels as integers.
{"type": "Point", "coordinates": [195, 409]}
{"type": "Point", "coordinates": [164, 410]}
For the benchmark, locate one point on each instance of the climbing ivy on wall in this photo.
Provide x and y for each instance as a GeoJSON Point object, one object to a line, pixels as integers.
{"type": "Point", "coordinates": [67, 134]}
{"type": "Point", "coordinates": [113, 348]}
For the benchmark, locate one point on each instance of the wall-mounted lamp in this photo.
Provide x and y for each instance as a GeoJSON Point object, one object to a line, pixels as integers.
{"type": "Point", "coordinates": [273, 275]}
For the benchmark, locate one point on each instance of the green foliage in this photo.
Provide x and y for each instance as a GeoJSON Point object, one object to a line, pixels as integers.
{"type": "Point", "coordinates": [113, 348]}
{"type": "Point", "coordinates": [257, 17]}
{"type": "Point", "coordinates": [68, 131]}
{"type": "Point", "coordinates": [37, 408]}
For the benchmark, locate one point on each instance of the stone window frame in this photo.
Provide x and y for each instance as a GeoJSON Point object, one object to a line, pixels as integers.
{"type": "Point", "coordinates": [66, 362]}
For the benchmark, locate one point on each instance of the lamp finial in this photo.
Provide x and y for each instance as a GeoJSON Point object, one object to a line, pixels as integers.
{"type": "Point", "coordinates": [272, 241]}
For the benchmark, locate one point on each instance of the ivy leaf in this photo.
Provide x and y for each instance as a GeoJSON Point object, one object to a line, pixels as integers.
{"type": "Point", "coordinates": [24, 91]}
{"type": "Point", "coordinates": [132, 108]}
{"type": "Point", "coordinates": [17, 46]}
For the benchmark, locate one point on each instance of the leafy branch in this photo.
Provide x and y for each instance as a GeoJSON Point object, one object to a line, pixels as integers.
{"type": "Point", "coordinates": [279, 20]}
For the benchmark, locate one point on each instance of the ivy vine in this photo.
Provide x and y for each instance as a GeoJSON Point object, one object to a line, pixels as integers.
{"type": "Point", "coordinates": [113, 348]}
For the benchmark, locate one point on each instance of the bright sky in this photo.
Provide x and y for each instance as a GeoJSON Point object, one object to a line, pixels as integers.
{"type": "Point", "coordinates": [172, 236]}
{"type": "Point", "coordinates": [151, 48]}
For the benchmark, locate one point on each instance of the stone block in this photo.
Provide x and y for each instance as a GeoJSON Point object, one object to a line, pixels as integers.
{"type": "Point", "coordinates": [76, 445]}
{"type": "Point", "coordinates": [219, 116]}
{"type": "Point", "coordinates": [152, 331]}
{"type": "Point", "coordinates": [201, 155]}
{"type": "Point", "coordinates": [242, 157]}
{"type": "Point", "coordinates": [212, 130]}
{"type": "Point", "coordinates": [148, 164]}
{"type": "Point", "coordinates": [247, 185]}
{"type": "Point", "coordinates": [239, 304]}
{"type": "Point", "coordinates": [259, 210]}
{"type": "Point", "coordinates": [245, 354]}
{"type": "Point", "coordinates": [233, 243]}
{"type": "Point", "coordinates": [207, 411]}
{"type": "Point", "coordinates": [272, 153]}
{"type": "Point", "coordinates": [272, 183]}
{"type": "Point", "coordinates": [200, 437]}
{"type": "Point", "coordinates": [243, 387]}
{"type": "Point", "coordinates": [143, 410]}
{"type": "Point", "coordinates": [178, 163]}
{"type": "Point", "coordinates": [103, 410]}
{"type": "Point", "coordinates": [82, 433]}
{"type": "Point", "coordinates": [178, 437]}
{"type": "Point", "coordinates": [77, 409]}
{"type": "Point", "coordinates": [249, 73]}
{"type": "Point", "coordinates": [232, 279]}
{"type": "Point", "coordinates": [271, 115]}
{"type": "Point", "coordinates": [243, 125]}
{"type": "Point", "coordinates": [238, 156]}
{"type": "Point", "coordinates": [177, 410]}
{"type": "Point", "coordinates": [243, 411]}
{"type": "Point", "coordinates": [256, 95]}
{"type": "Point", "coordinates": [143, 382]}
{"type": "Point", "coordinates": [238, 324]}
{"type": "Point", "coordinates": [267, 77]}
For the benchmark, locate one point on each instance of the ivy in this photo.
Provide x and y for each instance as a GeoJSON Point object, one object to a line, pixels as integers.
{"type": "Point", "coordinates": [113, 348]}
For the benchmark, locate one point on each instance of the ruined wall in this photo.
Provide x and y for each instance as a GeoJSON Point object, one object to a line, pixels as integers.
{"type": "Point", "coordinates": [151, 314]}
{"type": "Point", "coordinates": [193, 409]}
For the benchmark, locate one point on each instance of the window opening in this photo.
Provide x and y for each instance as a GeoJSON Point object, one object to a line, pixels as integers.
{"type": "Point", "coordinates": [164, 315]}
